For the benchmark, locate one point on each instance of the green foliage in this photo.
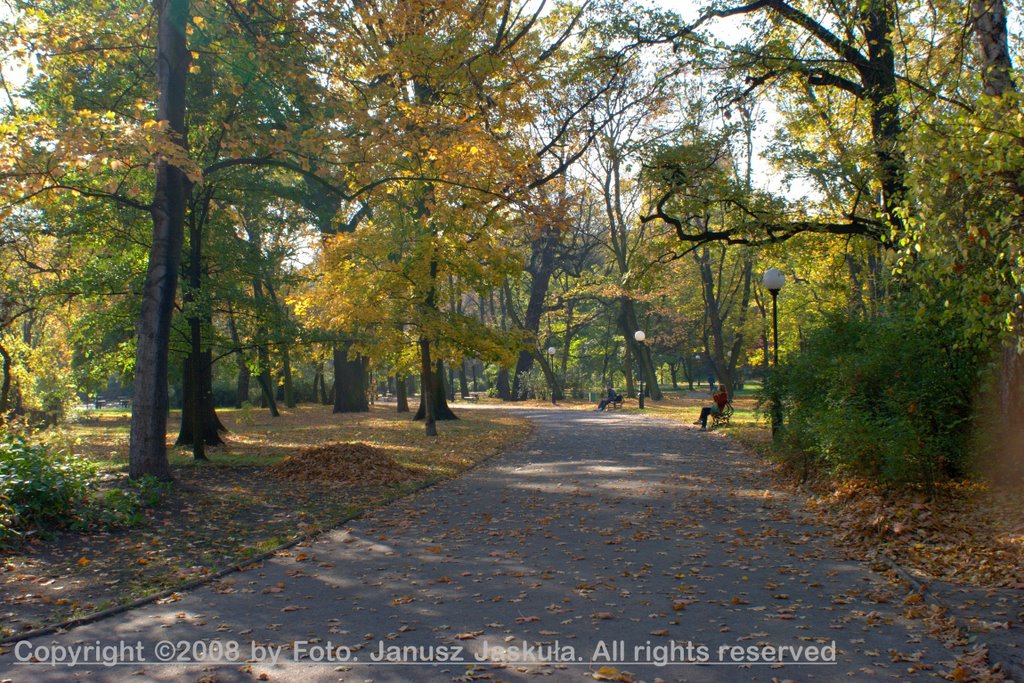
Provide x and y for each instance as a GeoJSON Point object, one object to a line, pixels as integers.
{"type": "Point", "coordinates": [965, 247]}
{"type": "Point", "coordinates": [534, 384]}
{"type": "Point", "coordinates": [37, 486]}
{"type": "Point", "coordinates": [885, 398]}
{"type": "Point", "coordinates": [42, 488]}
{"type": "Point", "coordinates": [116, 507]}
{"type": "Point", "coordinates": [246, 415]}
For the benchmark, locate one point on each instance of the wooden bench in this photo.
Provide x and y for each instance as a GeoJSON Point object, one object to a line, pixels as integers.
{"type": "Point", "coordinates": [721, 419]}
{"type": "Point", "coordinates": [617, 403]}
{"type": "Point", "coordinates": [473, 398]}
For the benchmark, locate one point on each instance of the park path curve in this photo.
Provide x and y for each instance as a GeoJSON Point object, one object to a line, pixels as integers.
{"type": "Point", "coordinates": [605, 543]}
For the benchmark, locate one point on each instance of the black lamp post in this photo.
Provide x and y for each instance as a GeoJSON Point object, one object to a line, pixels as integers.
{"type": "Point", "coordinates": [640, 336]}
{"type": "Point", "coordinates": [773, 281]}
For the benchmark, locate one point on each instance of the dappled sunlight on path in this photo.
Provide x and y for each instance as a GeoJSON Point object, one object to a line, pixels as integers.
{"type": "Point", "coordinates": [615, 541]}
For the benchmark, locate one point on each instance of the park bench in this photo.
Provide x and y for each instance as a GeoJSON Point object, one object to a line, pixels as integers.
{"type": "Point", "coordinates": [721, 419]}
{"type": "Point", "coordinates": [617, 403]}
{"type": "Point", "coordinates": [473, 397]}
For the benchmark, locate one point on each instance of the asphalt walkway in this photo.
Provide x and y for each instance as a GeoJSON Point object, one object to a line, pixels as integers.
{"type": "Point", "coordinates": [609, 543]}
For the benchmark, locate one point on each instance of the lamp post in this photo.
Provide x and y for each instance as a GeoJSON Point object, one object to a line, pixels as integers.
{"type": "Point", "coordinates": [640, 336]}
{"type": "Point", "coordinates": [554, 380]}
{"type": "Point", "coordinates": [773, 281]}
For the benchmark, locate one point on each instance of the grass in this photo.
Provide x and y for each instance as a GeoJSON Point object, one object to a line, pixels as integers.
{"type": "Point", "coordinates": [221, 512]}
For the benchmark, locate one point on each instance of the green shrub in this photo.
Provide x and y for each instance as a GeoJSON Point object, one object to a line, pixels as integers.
{"type": "Point", "coordinates": [43, 488]}
{"type": "Point", "coordinates": [886, 398]}
{"type": "Point", "coordinates": [38, 487]}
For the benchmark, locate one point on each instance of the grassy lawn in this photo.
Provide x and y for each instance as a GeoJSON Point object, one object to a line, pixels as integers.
{"type": "Point", "coordinates": [219, 513]}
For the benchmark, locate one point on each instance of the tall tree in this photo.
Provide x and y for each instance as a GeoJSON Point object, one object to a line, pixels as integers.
{"type": "Point", "coordinates": [147, 454]}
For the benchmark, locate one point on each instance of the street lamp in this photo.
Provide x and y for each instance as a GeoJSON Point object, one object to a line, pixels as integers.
{"type": "Point", "coordinates": [640, 337]}
{"type": "Point", "coordinates": [773, 281]}
{"type": "Point", "coordinates": [554, 380]}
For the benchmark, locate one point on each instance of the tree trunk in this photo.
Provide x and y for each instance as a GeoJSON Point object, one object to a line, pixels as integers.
{"type": "Point", "coordinates": [503, 387]}
{"type": "Point", "coordinates": [993, 46]}
{"type": "Point", "coordinates": [5, 388]}
{"type": "Point", "coordinates": [463, 384]}
{"type": "Point", "coordinates": [263, 354]}
{"type": "Point", "coordinates": [428, 390]}
{"type": "Point", "coordinates": [286, 364]}
{"type": "Point", "coordinates": [401, 395]}
{"type": "Point", "coordinates": [627, 371]}
{"type": "Point", "coordinates": [326, 397]}
{"type": "Point", "coordinates": [990, 31]}
{"type": "Point", "coordinates": [723, 360]}
{"type": "Point", "coordinates": [193, 397]}
{"type": "Point", "coordinates": [349, 382]}
{"type": "Point", "coordinates": [441, 409]}
{"type": "Point", "coordinates": [286, 373]}
{"type": "Point", "coordinates": [541, 267]}
{"type": "Point", "coordinates": [629, 324]}
{"type": "Point", "coordinates": [265, 382]}
{"type": "Point", "coordinates": [147, 450]}
{"type": "Point", "coordinates": [242, 388]}
{"type": "Point", "coordinates": [549, 376]}
{"type": "Point", "coordinates": [209, 423]}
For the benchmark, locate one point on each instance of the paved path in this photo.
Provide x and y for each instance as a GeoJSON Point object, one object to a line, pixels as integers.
{"type": "Point", "coordinates": [608, 540]}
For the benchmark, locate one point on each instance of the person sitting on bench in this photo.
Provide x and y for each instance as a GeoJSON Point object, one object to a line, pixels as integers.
{"type": "Point", "coordinates": [612, 398]}
{"type": "Point", "coordinates": [720, 399]}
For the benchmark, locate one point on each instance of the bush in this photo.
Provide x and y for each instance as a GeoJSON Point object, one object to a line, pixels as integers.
{"type": "Point", "coordinates": [37, 487]}
{"type": "Point", "coordinates": [44, 488]}
{"type": "Point", "coordinates": [886, 398]}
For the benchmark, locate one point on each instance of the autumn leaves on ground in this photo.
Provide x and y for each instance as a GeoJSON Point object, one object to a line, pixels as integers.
{"type": "Point", "coordinates": [274, 481]}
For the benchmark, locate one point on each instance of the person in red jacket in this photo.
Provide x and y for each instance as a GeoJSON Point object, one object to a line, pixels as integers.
{"type": "Point", "coordinates": [720, 399]}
